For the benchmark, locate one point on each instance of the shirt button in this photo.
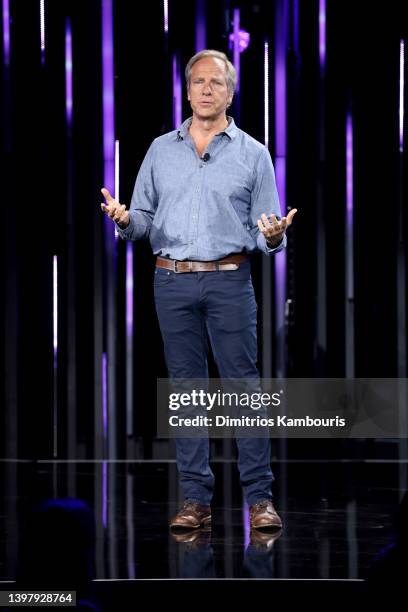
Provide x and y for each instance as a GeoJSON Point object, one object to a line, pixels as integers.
{"type": "Point", "coordinates": [201, 165]}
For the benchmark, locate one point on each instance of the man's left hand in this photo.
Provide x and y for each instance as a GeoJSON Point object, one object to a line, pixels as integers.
{"type": "Point", "coordinates": [272, 229]}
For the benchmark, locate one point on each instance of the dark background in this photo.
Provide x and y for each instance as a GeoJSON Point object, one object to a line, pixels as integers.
{"type": "Point", "coordinates": [46, 171]}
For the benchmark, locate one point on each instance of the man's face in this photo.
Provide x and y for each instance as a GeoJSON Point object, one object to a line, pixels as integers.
{"type": "Point", "coordinates": [208, 92]}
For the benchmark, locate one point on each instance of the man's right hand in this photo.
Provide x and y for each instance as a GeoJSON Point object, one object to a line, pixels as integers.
{"type": "Point", "coordinates": [117, 212]}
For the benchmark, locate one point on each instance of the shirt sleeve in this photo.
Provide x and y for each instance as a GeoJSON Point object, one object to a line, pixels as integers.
{"type": "Point", "coordinates": [264, 199]}
{"type": "Point", "coordinates": [144, 201]}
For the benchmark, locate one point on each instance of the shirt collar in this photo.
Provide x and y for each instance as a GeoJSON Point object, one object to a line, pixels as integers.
{"type": "Point", "coordinates": [230, 130]}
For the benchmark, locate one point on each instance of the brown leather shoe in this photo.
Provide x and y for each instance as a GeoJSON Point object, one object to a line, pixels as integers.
{"type": "Point", "coordinates": [192, 515]}
{"type": "Point", "coordinates": [264, 516]}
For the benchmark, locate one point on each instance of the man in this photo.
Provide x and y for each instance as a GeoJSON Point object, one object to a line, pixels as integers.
{"type": "Point", "coordinates": [206, 197]}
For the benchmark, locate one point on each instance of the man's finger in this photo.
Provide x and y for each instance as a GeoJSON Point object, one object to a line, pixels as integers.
{"type": "Point", "coordinates": [283, 223]}
{"type": "Point", "coordinates": [274, 219]}
{"type": "Point", "coordinates": [107, 196]}
{"type": "Point", "coordinates": [265, 220]}
{"type": "Point", "coordinates": [291, 214]}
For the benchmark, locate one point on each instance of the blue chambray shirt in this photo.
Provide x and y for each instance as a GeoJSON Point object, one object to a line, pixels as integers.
{"type": "Point", "coordinates": [203, 210]}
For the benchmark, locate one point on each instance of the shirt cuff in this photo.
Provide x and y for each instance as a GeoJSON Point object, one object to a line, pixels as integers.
{"type": "Point", "coordinates": [127, 232]}
{"type": "Point", "coordinates": [269, 250]}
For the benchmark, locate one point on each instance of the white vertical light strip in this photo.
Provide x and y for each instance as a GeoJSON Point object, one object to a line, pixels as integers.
{"type": "Point", "coordinates": [166, 15]}
{"type": "Point", "coordinates": [267, 272]}
{"type": "Point", "coordinates": [42, 29]}
{"type": "Point", "coordinates": [266, 94]}
{"type": "Point", "coordinates": [401, 297]}
{"type": "Point", "coordinates": [401, 98]}
{"type": "Point", "coordinates": [55, 351]}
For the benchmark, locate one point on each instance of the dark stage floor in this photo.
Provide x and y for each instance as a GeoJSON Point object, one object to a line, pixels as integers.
{"type": "Point", "coordinates": [337, 516]}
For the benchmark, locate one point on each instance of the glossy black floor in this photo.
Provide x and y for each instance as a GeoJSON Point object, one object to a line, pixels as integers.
{"type": "Point", "coordinates": [337, 516]}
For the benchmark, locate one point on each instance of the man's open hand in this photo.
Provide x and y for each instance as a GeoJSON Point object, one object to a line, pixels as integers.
{"type": "Point", "coordinates": [272, 229]}
{"type": "Point", "coordinates": [116, 211]}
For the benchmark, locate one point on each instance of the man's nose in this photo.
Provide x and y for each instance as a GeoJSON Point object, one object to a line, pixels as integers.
{"type": "Point", "coordinates": [207, 90]}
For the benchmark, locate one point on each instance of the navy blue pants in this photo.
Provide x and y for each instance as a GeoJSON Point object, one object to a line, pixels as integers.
{"type": "Point", "coordinates": [223, 304]}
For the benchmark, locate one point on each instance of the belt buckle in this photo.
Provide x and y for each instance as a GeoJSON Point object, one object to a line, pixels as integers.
{"type": "Point", "coordinates": [190, 265]}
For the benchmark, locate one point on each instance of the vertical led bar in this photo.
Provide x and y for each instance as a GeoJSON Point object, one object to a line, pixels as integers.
{"type": "Point", "coordinates": [401, 98]}
{"type": "Point", "coordinates": [104, 494]}
{"type": "Point", "coordinates": [401, 284]}
{"type": "Point", "coordinates": [266, 94]}
{"type": "Point", "coordinates": [108, 96]}
{"type": "Point", "coordinates": [349, 249]}
{"type": "Point", "coordinates": [68, 73]}
{"type": "Point", "coordinates": [42, 29]}
{"type": "Point", "coordinates": [55, 351]}
{"type": "Point", "coordinates": [104, 395]}
{"type": "Point", "coordinates": [267, 316]}
{"type": "Point", "coordinates": [177, 103]}
{"type": "Point", "coordinates": [236, 38]}
{"type": "Point", "coordinates": [166, 15]}
{"type": "Point", "coordinates": [108, 117]}
{"type": "Point", "coordinates": [6, 32]}
{"type": "Point", "coordinates": [246, 523]}
{"type": "Point", "coordinates": [320, 342]}
{"type": "Point", "coordinates": [129, 315]}
{"type": "Point", "coordinates": [117, 195]}
{"type": "Point", "coordinates": [55, 303]}
{"type": "Point", "coordinates": [280, 171]}
{"type": "Point", "coordinates": [129, 337]}
{"type": "Point", "coordinates": [200, 26]}
{"type": "Point", "coordinates": [322, 33]}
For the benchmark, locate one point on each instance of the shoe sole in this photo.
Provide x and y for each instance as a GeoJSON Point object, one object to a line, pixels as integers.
{"type": "Point", "coordinates": [204, 523]}
{"type": "Point", "coordinates": [271, 527]}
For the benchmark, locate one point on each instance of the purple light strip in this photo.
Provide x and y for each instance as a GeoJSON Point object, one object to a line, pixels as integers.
{"type": "Point", "coordinates": [236, 20]}
{"type": "Point", "coordinates": [108, 118]}
{"type": "Point", "coordinates": [42, 30]}
{"type": "Point", "coordinates": [280, 171]}
{"type": "Point", "coordinates": [176, 93]}
{"type": "Point", "coordinates": [55, 304]}
{"type": "Point", "coordinates": [105, 395]}
{"type": "Point", "coordinates": [105, 494]}
{"type": "Point", "coordinates": [401, 98]}
{"type": "Point", "coordinates": [296, 26]}
{"type": "Point", "coordinates": [129, 289]}
{"type": "Point", "coordinates": [6, 32]}
{"type": "Point", "coordinates": [246, 522]}
{"type": "Point", "coordinates": [68, 73]}
{"type": "Point", "coordinates": [166, 15]}
{"type": "Point", "coordinates": [266, 94]}
{"type": "Point", "coordinates": [108, 96]}
{"type": "Point", "coordinates": [322, 33]}
{"type": "Point", "coordinates": [280, 100]}
{"type": "Point", "coordinates": [200, 26]}
{"type": "Point", "coordinates": [117, 191]}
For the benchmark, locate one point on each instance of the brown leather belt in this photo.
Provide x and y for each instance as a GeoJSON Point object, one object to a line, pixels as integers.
{"type": "Point", "coordinates": [228, 263]}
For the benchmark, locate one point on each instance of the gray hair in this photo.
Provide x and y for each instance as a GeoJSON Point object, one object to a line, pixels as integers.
{"type": "Point", "coordinates": [231, 72]}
